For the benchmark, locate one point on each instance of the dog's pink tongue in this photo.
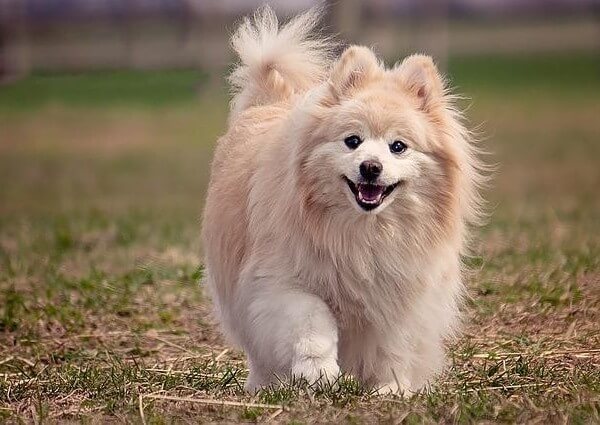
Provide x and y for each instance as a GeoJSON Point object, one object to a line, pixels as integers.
{"type": "Point", "coordinates": [370, 192]}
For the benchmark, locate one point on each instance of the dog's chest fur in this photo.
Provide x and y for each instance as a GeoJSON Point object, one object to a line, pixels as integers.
{"type": "Point", "coordinates": [367, 282]}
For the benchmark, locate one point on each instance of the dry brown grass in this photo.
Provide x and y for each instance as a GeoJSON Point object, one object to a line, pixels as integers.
{"type": "Point", "coordinates": [102, 320]}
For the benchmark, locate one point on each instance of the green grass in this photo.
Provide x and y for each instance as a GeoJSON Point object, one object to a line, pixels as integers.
{"type": "Point", "coordinates": [103, 88]}
{"type": "Point", "coordinates": [103, 177]}
{"type": "Point", "coordinates": [573, 75]}
{"type": "Point", "coordinates": [559, 73]}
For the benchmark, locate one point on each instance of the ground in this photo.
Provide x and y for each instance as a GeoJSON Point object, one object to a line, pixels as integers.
{"type": "Point", "coordinates": [102, 318]}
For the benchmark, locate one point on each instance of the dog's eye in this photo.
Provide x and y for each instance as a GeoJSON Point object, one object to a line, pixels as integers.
{"type": "Point", "coordinates": [398, 146]}
{"type": "Point", "coordinates": [352, 141]}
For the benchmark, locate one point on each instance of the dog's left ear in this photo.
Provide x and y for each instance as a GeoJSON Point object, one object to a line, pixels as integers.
{"type": "Point", "coordinates": [421, 77]}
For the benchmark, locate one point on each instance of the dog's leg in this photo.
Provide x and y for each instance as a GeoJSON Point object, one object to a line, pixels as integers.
{"type": "Point", "coordinates": [405, 367]}
{"type": "Point", "coordinates": [380, 359]}
{"type": "Point", "coordinates": [256, 377]}
{"type": "Point", "coordinates": [287, 332]}
{"type": "Point", "coordinates": [391, 374]}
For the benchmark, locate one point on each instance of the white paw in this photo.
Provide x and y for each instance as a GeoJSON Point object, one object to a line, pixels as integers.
{"type": "Point", "coordinates": [315, 369]}
{"type": "Point", "coordinates": [391, 388]}
{"type": "Point", "coordinates": [315, 359]}
{"type": "Point", "coordinates": [394, 388]}
{"type": "Point", "coordinates": [254, 382]}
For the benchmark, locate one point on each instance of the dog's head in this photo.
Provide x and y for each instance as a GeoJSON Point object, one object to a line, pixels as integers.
{"type": "Point", "coordinates": [376, 140]}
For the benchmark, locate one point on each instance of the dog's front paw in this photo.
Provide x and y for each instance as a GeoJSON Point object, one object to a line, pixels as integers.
{"type": "Point", "coordinates": [315, 359]}
{"type": "Point", "coordinates": [400, 388]}
{"type": "Point", "coordinates": [316, 369]}
{"type": "Point", "coordinates": [391, 388]}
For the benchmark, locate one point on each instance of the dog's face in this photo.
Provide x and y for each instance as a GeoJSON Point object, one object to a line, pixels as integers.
{"type": "Point", "coordinates": [376, 148]}
{"type": "Point", "coordinates": [378, 142]}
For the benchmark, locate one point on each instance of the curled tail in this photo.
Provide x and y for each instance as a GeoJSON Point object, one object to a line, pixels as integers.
{"type": "Point", "coordinates": [276, 62]}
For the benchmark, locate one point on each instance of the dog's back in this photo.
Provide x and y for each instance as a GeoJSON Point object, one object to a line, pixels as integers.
{"type": "Point", "coordinates": [276, 66]}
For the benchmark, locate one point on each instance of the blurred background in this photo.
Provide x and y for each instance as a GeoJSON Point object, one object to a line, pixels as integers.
{"type": "Point", "coordinates": [109, 112]}
{"type": "Point", "coordinates": [87, 35]}
{"type": "Point", "coordinates": [109, 109]}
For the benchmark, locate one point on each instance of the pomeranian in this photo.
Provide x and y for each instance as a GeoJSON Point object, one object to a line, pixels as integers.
{"type": "Point", "coordinates": [338, 209]}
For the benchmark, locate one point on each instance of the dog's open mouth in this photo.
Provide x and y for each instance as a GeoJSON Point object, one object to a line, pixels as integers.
{"type": "Point", "coordinates": [369, 196]}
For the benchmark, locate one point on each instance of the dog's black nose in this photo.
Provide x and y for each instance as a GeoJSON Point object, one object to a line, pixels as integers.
{"type": "Point", "coordinates": [370, 169]}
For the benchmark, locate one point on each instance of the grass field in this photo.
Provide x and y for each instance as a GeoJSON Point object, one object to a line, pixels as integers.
{"type": "Point", "coordinates": [102, 178]}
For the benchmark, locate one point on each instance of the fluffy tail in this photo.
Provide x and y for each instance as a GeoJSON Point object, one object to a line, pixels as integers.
{"type": "Point", "coordinates": [276, 62]}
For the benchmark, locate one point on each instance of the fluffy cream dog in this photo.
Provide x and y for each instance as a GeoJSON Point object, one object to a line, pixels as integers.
{"type": "Point", "coordinates": [337, 210]}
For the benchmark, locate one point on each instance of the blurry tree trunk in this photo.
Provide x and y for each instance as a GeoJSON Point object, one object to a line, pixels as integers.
{"type": "Point", "coordinates": [434, 30]}
{"type": "Point", "coordinates": [122, 17]}
{"type": "Point", "coordinates": [3, 58]}
{"type": "Point", "coordinates": [15, 61]}
{"type": "Point", "coordinates": [345, 18]}
{"type": "Point", "coordinates": [185, 20]}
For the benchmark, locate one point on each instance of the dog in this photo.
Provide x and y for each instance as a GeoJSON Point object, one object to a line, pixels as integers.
{"type": "Point", "coordinates": [338, 209]}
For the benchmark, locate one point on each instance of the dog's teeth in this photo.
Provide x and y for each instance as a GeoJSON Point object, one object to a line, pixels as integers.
{"type": "Point", "coordinates": [368, 201]}
{"type": "Point", "coordinates": [366, 194]}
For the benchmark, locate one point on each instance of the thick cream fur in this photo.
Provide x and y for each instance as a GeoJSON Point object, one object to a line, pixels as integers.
{"type": "Point", "coordinates": [306, 282]}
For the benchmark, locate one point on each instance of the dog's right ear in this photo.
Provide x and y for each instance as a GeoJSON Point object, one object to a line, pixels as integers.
{"type": "Point", "coordinates": [421, 77]}
{"type": "Point", "coordinates": [353, 69]}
